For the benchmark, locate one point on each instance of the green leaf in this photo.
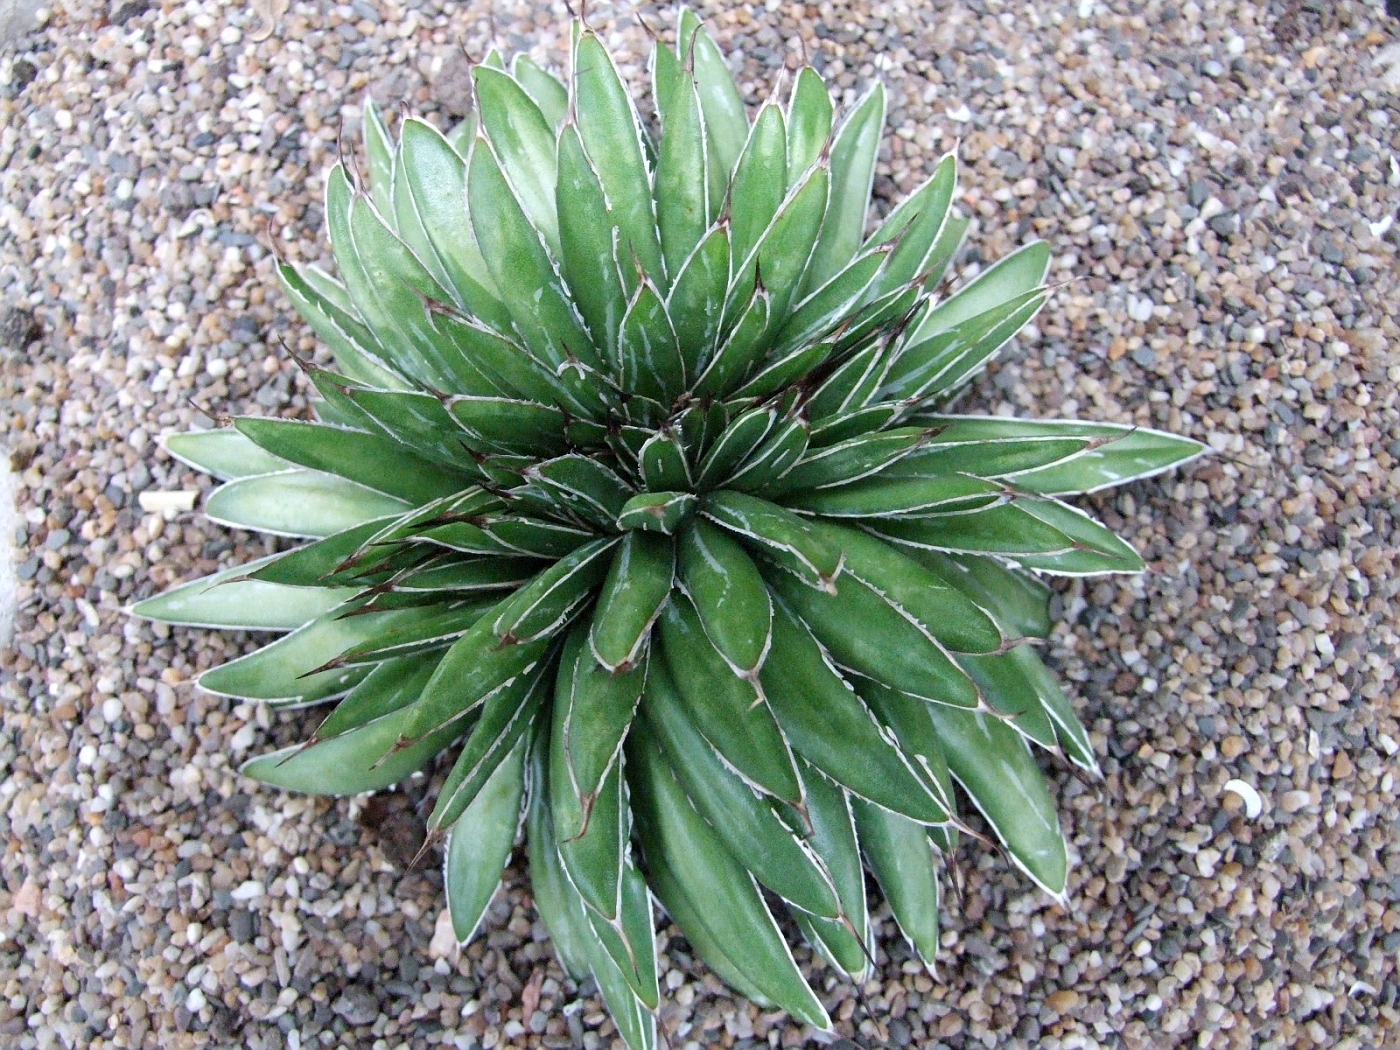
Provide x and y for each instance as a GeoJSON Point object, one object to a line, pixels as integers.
{"type": "Point", "coordinates": [901, 857]}
{"type": "Point", "coordinates": [865, 631]}
{"type": "Point", "coordinates": [649, 359]}
{"type": "Point", "coordinates": [279, 672]}
{"type": "Point", "coordinates": [748, 824]}
{"type": "Point", "coordinates": [849, 944]}
{"type": "Point", "coordinates": [544, 88]}
{"type": "Point", "coordinates": [845, 462]}
{"type": "Point", "coordinates": [695, 303]}
{"type": "Point", "coordinates": [498, 424]}
{"type": "Point", "coordinates": [360, 760]}
{"type": "Point", "coordinates": [915, 226]}
{"type": "Point", "coordinates": [225, 453]}
{"type": "Point", "coordinates": [747, 431]}
{"type": "Point", "coordinates": [507, 716]}
{"type": "Point", "coordinates": [760, 181]}
{"type": "Point", "coordinates": [710, 895]}
{"type": "Point", "coordinates": [778, 534]}
{"type": "Point", "coordinates": [726, 121]}
{"type": "Point", "coordinates": [552, 598]}
{"type": "Point", "coordinates": [379, 151]}
{"type": "Point", "coordinates": [883, 498]}
{"type": "Point", "coordinates": [922, 596]}
{"type": "Point", "coordinates": [998, 772]}
{"type": "Point", "coordinates": [230, 599]}
{"type": "Point", "coordinates": [587, 242]}
{"type": "Point", "coordinates": [583, 485]}
{"type": "Point", "coordinates": [1096, 549]}
{"type": "Point", "coordinates": [592, 713]}
{"type": "Point", "coordinates": [611, 132]}
{"type": "Point", "coordinates": [479, 844]}
{"type": "Point", "coordinates": [729, 595]}
{"type": "Point", "coordinates": [832, 728]}
{"type": "Point", "coordinates": [298, 503]}
{"type": "Point", "coordinates": [727, 709]}
{"type": "Point", "coordinates": [810, 114]}
{"type": "Point", "coordinates": [660, 512]}
{"type": "Point", "coordinates": [521, 266]}
{"type": "Point", "coordinates": [853, 155]}
{"type": "Point", "coordinates": [524, 142]}
{"type": "Point", "coordinates": [435, 178]}
{"type": "Point", "coordinates": [767, 464]}
{"type": "Point", "coordinates": [476, 668]}
{"type": "Point", "coordinates": [662, 462]}
{"type": "Point", "coordinates": [682, 182]}
{"type": "Point", "coordinates": [390, 686]}
{"type": "Point", "coordinates": [632, 597]}
{"type": "Point", "coordinates": [325, 305]}
{"type": "Point", "coordinates": [593, 857]}
{"type": "Point", "coordinates": [1019, 603]}
{"type": "Point", "coordinates": [376, 462]}
{"type": "Point", "coordinates": [1012, 277]}
{"type": "Point", "coordinates": [1112, 454]}
{"type": "Point", "coordinates": [316, 564]}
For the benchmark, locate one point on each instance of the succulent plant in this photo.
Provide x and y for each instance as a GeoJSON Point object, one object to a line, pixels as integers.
{"type": "Point", "coordinates": [635, 484]}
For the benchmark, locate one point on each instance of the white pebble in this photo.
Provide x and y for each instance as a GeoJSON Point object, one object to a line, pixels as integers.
{"type": "Point", "coordinates": [249, 890]}
{"type": "Point", "coordinates": [1253, 804]}
{"type": "Point", "coordinates": [961, 115]}
{"type": "Point", "coordinates": [444, 942]}
{"type": "Point", "coordinates": [1139, 308]}
{"type": "Point", "coordinates": [111, 709]}
{"type": "Point", "coordinates": [194, 1002]}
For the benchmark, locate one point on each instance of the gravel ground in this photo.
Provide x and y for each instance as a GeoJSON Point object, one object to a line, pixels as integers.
{"type": "Point", "coordinates": [1219, 190]}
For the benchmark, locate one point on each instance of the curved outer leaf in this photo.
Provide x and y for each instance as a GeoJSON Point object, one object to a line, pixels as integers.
{"type": "Point", "coordinates": [940, 610]}
{"type": "Point", "coordinates": [749, 825]}
{"type": "Point", "coordinates": [831, 727]}
{"type": "Point", "coordinates": [848, 943]}
{"type": "Point", "coordinates": [695, 303]}
{"type": "Point", "coordinates": [507, 715]}
{"type": "Point", "coordinates": [682, 181]}
{"type": "Point", "coordinates": [498, 424]}
{"type": "Point", "coordinates": [915, 226]}
{"type": "Point", "coordinates": [298, 503]}
{"type": "Point", "coordinates": [1113, 454]}
{"type": "Point", "coordinates": [324, 304]}
{"type": "Point", "coordinates": [879, 497]}
{"type": "Point", "coordinates": [520, 264]}
{"type": "Point", "coordinates": [316, 564]}
{"type": "Point", "coordinates": [231, 599]}
{"type": "Point", "coordinates": [1019, 603]}
{"type": "Point", "coordinates": [479, 844]}
{"type": "Point", "coordinates": [592, 713]}
{"type": "Point", "coordinates": [594, 857]}
{"type": "Point", "coordinates": [901, 856]}
{"type": "Point", "coordinates": [391, 685]}
{"type": "Point", "coordinates": [998, 772]}
{"type": "Point", "coordinates": [378, 463]}
{"type": "Point", "coordinates": [547, 91]}
{"type": "Point", "coordinates": [567, 919]}
{"type": "Point", "coordinates": [760, 181]}
{"type": "Point", "coordinates": [1021, 272]}
{"type": "Point", "coordinates": [728, 593]}
{"type": "Point", "coordinates": [649, 360]}
{"type": "Point", "coordinates": [356, 761]}
{"type": "Point", "coordinates": [729, 918]}
{"type": "Point", "coordinates": [637, 588]}
{"type": "Point", "coordinates": [865, 632]}
{"type": "Point", "coordinates": [728, 710]}
{"type": "Point", "coordinates": [588, 258]}
{"type": "Point", "coordinates": [225, 453]}
{"type": "Point", "coordinates": [524, 141]}
{"type": "Point", "coordinates": [780, 535]}
{"type": "Point", "coordinates": [853, 154]}
{"type": "Point", "coordinates": [608, 125]}
{"type": "Point", "coordinates": [278, 672]}
{"type": "Point", "coordinates": [475, 669]}
{"type": "Point", "coordinates": [810, 114]}
{"type": "Point", "coordinates": [723, 106]}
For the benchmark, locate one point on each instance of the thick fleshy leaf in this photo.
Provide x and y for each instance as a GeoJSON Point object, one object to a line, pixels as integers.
{"type": "Point", "coordinates": [524, 141]}
{"type": "Point", "coordinates": [298, 503]}
{"type": "Point", "coordinates": [592, 713]}
{"type": "Point", "coordinates": [728, 593]}
{"type": "Point", "coordinates": [777, 534]}
{"type": "Point", "coordinates": [376, 462]}
{"type": "Point", "coordinates": [809, 118]}
{"type": "Point", "coordinates": [901, 857]}
{"type": "Point", "coordinates": [391, 685]}
{"type": "Point", "coordinates": [682, 185]}
{"type": "Point", "coordinates": [636, 590]}
{"type": "Point", "coordinates": [998, 772]}
{"type": "Point", "coordinates": [661, 512]}
{"type": "Point", "coordinates": [547, 90]}
{"type": "Point", "coordinates": [848, 943]}
{"type": "Point", "coordinates": [728, 710]}
{"type": "Point", "coordinates": [226, 453]}
{"type": "Point", "coordinates": [587, 244]}
{"type": "Point", "coordinates": [853, 154]}
{"type": "Point", "coordinates": [749, 824]}
{"type": "Point", "coordinates": [231, 599]}
{"type": "Point", "coordinates": [710, 895]}
{"type": "Point", "coordinates": [479, 844]}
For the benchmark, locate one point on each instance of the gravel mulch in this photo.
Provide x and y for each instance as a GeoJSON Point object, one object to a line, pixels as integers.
{"type": "Point", "coordinates": [1219, 182]}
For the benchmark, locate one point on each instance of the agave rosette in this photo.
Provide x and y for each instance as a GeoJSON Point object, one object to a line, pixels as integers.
{"type": "Point", "coordinates": [634, 483]}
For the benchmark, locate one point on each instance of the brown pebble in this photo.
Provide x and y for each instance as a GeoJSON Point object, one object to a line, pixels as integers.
{"type": "Point", "coordinates": [1342, 766]}
{"type": "Point", "coordinates": [1063, 1001]}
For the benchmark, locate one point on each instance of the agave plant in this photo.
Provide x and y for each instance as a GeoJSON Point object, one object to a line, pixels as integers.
{"type": "Point", "coordinates": [634, 483]}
